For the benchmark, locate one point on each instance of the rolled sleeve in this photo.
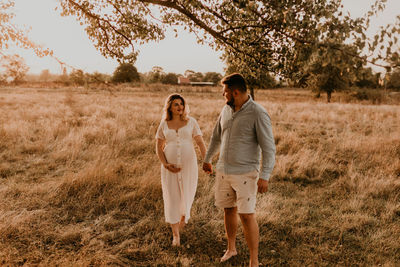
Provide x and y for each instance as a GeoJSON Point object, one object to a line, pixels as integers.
{"type": "Point", "coordinates": [266, 142]}
{"type": "Point", "coordinates": [215, 142]}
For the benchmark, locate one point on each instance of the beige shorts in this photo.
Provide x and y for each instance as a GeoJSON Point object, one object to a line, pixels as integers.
{"type": "Point", "coordinates": [236, 190]}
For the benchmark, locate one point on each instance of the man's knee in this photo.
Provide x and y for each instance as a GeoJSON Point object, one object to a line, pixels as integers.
{"type": "Point", "coordinates": [247, 217]}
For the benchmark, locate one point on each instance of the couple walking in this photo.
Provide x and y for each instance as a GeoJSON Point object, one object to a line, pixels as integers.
{"type": "Point", "coordinates": [243, 135]}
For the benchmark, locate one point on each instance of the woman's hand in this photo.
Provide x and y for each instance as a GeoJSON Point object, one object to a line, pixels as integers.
{"type": "Point", "coordinates": [172, 168]}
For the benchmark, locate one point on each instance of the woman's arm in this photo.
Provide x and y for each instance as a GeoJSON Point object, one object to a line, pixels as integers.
{"type": "Point", "coordinates": [200, 142]}
{"type": "Point", "coordinates": [160, 151]}
{"type": "Point", "coordinates": [161, 156]}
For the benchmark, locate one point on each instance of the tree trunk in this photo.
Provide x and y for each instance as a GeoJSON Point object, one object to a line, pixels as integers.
{"type": "Point", "coordinates": [252, 92]}
{"type": "Point", "coordinates": [328, 96]}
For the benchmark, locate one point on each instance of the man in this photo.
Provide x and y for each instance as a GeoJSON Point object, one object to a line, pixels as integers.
{"type": "Point", "coordinates": [242, 131]}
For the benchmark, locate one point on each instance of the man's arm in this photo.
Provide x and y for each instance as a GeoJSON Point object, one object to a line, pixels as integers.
{"type": "Point", "coordinates": [266, 141]}
{"type": "Point", "coordinates": [213, 146]}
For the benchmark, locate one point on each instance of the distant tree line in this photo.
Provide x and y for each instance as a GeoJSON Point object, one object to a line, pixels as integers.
{"type": "Point", "coordinates": [15, 71]}
{"type": "Point", "coordinates": [321, 76]}
{"type": "Point", "coordinates": [158, 75]}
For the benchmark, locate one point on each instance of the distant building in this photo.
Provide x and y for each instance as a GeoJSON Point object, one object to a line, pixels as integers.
{"type": "Point", "coordinates": [186, 81]}
{"type": "Point", "coordinates": [183, 80]}
{"type": "Point", "coordinates": [201, 83]}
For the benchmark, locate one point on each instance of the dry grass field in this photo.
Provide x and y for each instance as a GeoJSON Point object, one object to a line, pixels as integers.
{"type": "Point", "coordinates": [80, 185]}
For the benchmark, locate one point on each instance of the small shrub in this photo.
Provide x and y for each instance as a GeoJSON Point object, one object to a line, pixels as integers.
{"type": "Point", "coordinates": [373, 96]}
{"type": "Point", "coordinates": [126, 73]}
{"type": "Point", "coordinates": [170, 78]}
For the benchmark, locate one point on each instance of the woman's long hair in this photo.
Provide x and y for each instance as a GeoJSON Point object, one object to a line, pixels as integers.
{"type": "Point", "coordinates": [167, 107]}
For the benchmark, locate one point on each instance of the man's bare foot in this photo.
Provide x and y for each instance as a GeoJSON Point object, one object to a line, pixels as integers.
{"type": "Point", "coordinates": [176, 241]}
{"type": "Point", "coordinates": [228, 254]}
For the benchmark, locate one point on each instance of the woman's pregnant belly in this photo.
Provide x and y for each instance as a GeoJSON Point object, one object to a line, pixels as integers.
{"type": "Point", "coordinates": [186, 150]}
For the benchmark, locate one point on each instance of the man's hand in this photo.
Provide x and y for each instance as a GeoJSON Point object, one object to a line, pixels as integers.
{"type": "Point", "coordinates": [262, 185]}
{"type": "Point", "coordinates": [172, 168]}
{"type": "Point", "coordinates": [207, 167]}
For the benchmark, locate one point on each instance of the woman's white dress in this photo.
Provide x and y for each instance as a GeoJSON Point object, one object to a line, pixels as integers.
{"type": "Point", "coordinates": [179, 188]}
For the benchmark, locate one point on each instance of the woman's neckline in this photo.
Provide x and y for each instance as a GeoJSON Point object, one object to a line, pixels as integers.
{"type": "Point", "coordinates": [176, 130]}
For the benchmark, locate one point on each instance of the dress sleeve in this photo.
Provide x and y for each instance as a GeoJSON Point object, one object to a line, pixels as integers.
{"type": "Point", "coordinates": [160, 131]}
{"type": "Point", "coordinates": [196, 128]}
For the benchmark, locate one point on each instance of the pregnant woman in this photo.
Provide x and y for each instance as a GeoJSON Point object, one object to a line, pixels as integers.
{"type": "Point", "coordinates": [179, 171]}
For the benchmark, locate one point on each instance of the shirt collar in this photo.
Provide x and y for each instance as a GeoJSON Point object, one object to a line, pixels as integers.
{"type": "Point", "coordinates": [247, 103]}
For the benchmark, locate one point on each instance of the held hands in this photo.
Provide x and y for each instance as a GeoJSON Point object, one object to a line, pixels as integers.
{"type": "Point", "coordinates": [207, 167]}
{"type": "Point", "coordinates": [262, 185]}
{"type": "Point", "coordinates": [172, 168]}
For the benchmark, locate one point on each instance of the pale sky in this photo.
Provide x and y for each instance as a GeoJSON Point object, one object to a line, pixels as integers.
{"type": "Point", "coordinates": [66, 37]}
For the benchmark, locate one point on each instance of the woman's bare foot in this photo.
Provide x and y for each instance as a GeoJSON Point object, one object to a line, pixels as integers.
{"type": "Point", "coordinates": [176, 241]}
{"type": "Point", "coordinates": [228, 254]}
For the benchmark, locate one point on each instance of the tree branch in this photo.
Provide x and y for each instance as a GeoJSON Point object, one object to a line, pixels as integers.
{"type": "Point", "coordinates": [191, 16]}
{"type": "Point", "coordinates": [93, 16]}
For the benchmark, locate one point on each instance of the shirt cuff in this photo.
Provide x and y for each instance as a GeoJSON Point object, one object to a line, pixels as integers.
{"type": "Point", "coordinates": [265, 176]}
{"type": "Point", "coordinates": [207, 159]}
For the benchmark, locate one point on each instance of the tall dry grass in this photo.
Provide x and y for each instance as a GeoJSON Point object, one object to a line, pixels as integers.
{"type": "Point", "coordinates": [79, 182]}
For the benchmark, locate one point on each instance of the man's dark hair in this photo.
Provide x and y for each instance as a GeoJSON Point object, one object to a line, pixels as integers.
{"type": "Point", "coordinates": [235, 81]}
